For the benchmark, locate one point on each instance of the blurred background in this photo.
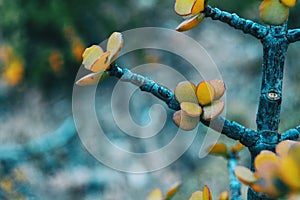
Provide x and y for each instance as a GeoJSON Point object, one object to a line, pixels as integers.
{"type": "Point", "coordinates": [41, 43]}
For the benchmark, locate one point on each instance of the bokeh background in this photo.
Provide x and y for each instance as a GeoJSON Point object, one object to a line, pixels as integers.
{"type": "Point", "coordinates": [41, 43]}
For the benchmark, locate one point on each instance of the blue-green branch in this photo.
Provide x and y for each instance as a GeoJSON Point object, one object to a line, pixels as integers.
{"type": "Point", "coordinates": [229, 128]}
{"type": "Point", "coordinates": [50, 141]}
{"type": "Point", "coordinates": [247, 26]}
{"type": "Point", "coordinates": [293, 35]}
{"type": "Point", "coordinates": [234, 183]}
{"type": "Point", "coordinates": [292, 134]}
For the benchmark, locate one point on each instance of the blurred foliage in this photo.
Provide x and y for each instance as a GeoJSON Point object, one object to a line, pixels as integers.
{"type": "Point", "coordinates": [42, 42]}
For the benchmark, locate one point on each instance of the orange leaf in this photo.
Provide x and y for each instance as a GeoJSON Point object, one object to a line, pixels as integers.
{"type": "Point", "coordinates": [198, 7]}
{"type": "Point", "coordinates": [237, 147]}
{"type": "Point", "coordinates": [171, 192]}
{"type": "Point", "coordinates": [264, 156]}
{"type": "Point", "coordinates": [283, 147]}
{"type": "Point", "coordinates": [224, 196]}
{"type": "Point", "coordinates": [290, 172]}
{"type": "Point", "coordinates": [245, 175]}
{"type": "Point", "coordinates": [269, 176]}
{"type": "Point", "coordinates": [6, 184]}
{"type": "Point", "coordinates": [114, 45]}
{"type": "Point", "coordinates": [219, 87]}
{"type": "Point", "coordinates": [213, 110]}
{"type": "Point", "coordinates": [294, 152]}
{"type": "Point", "coordinates": [206, 193]}
{"type": "Point", "coordinates": [101, 64]}
{"type": "Point", "coordinates": [14, 72]}
{"type": "Point", "coordinates": [198, 195]}
{"type": "Point", "coordinates": [191, 109]}
{"type": "Point", "coordinates": [205, 93]}
{"type": "Point", "coordinates": [91, 79]}
{"type": "Point", "coordinates": [90, 55]}
{"type": "Point", "coordinates": [219, 149]}
{"type": "Point", "coordinates": [289, 3]}
{"type": "Point", "coordinates": [258, 186]}
{"type": "Point", "coordinates": [190, 22]}
{"type": "Point", "coordinates": [156, 194]}
{"type": "Point", "coordinates": [185, 122]}
{"type": "Point", "coordinates": [184, 7]}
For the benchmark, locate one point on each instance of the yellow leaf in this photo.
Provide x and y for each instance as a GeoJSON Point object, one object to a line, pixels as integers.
{"type": "Point", "coordinates": [114, 45]}
{"type": "Point", "coordinates": [264, 156]}
{"type": "Point", "coordinates": [224, 196]}
{"type": "Point", "coordinates": [198, 195]}
{"type": "Point", "coordinates": [290, 172]}
{"type": "Point", "coordinates": [206, 193]}
{"type": "Point", "coordinates": [101, 64]}
{"type": "Point", "coordinates": [289, 3]}
{"type": "Point", "coordinates": [283, 147]}
{"type": "Point", "coordinates": [190, 22]}
{"type": "Point", "coordinates": [91, 79]}
{"type": "Point", "coordinates": [13, 74]}
{"type": "Point", "coordinates": [90, 55]}
{"type": "Point", "coordinates": [156, 194]}
{"type": "Point", "coordinates": [184, 7]}
{"type": "Point", "coordinates": [213, 110]}
{"type": "Point", "coordinates": [237, 147]}
{"type": "Point", "coordinates": [185, 91]}
{"type": "Point", "coordinates": [6, 185]}
{"type": "Point", "coordinates": [272, 12]}
{"type": "Point", "coordinates": [294, 152]}
{"type": "Point", "coordinates": [205, 93]}
{"type": "Point", "coordinates": [245, 175]}
{"type": "Point", "coordinates": [171, 192]}
{"type": "Point", "coordinates": [198, 7]}
{"type": "Point", "coordinates": [218, 149]}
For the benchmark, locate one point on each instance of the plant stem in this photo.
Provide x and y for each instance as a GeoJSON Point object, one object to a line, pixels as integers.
{"type": "Point", "coordinates": [275, 45]}
{"type": "Point", "coordinates": [232, 19]}
{"type": "Point", "coordinates": [229, 128]}
{"type": "Point", "coordinates": [234, 183]}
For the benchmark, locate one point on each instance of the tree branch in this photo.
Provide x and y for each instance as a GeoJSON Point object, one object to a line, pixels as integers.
{"type": "Point", "coordinates": [231, 129]}
{"type": "Point", "coordinates": [247, 26]}
{"type": "Point", "coordinates": [292, 134]}
{"type": "Point", "coordinates": [234, 183]}
{"type": "Point", "coordinates": [293, 35]}
{"type": "Point", "coordinates": [46, 143]}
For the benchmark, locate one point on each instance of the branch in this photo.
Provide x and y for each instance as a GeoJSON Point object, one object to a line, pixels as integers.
{"type": "Point", "coordinates": [293, 35]}
{"type": "Point", "coordinates": [234, 183]}
{"type": "Point", "coordinates": [231, 129]}
{"type": "Point", "coordinates": [146, 85]}
{"type": "Point", "coordinates": [48, 142]}
{"type": "Point", "coordinates": [247, 26]}
{"type": "Point", "coordinates": [292, 134]}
